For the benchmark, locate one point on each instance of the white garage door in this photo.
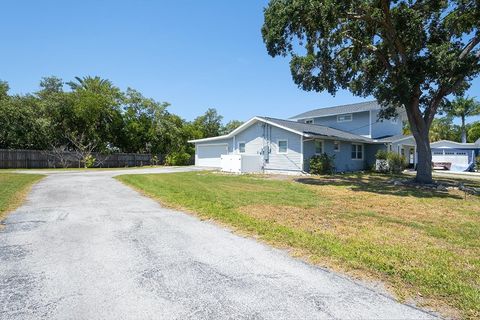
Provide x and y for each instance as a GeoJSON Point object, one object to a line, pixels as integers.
{"type": "Point", "coordinates": [209, 155]}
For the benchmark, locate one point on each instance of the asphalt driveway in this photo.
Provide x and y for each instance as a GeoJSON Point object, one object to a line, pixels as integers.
{"type": "Point", "coordinates": [84, 246]}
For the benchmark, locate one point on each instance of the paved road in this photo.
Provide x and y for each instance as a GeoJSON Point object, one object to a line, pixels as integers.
{"type": "Point", "coordinates": [84, 246]}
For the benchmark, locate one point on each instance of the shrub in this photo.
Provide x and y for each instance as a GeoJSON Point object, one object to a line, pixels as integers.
{"type": "Point", "coordinates": [322, 164]}
{"type": "Point", "coordinates": [477, 164]}
{"type": "Point", "coordinates": [396, 162]}
{"type": "Point", "coordinates": [381, 155]}
{"type": "Point", "coordinates": [89, 161]}
{"type": "Point", "coordinates": [154, 160]}
{"type": "Point", "coordinates": [177, 159]}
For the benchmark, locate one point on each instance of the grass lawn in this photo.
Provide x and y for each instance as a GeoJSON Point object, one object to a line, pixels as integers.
{"type": "Point", "coordinates": [13, 189]}
{"type": "Point", "coordinates": [424, 245]}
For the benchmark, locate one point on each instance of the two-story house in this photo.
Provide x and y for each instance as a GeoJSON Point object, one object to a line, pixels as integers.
{"type": "Point", "coordinates": [352, 133]}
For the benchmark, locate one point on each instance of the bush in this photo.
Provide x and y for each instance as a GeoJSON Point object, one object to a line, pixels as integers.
{"type": "Point", "coordinates": [177, 159]}
{"type": "Point", "coordinates": [396, 162]}
{"type": "Point", "coordinates": [477, 164]}
{"type": "Point", "coordinates": [381, 155]}
{"type": "Point", "coordinates": [89, 161]}
{"type": "Point", "coordinates": [322, 164]}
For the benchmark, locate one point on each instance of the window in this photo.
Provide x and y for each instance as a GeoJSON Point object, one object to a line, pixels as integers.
{"type": "Point", "coordinates": [336, 146]}
{"type": "Point", "coordinates": [309, 121]}
{"type": "Point", "coordinates": [357, 152]}
{"type": "Point", "coordinates": [394, 120]}
{"type": "Point", "coordinates": [241, 147]}
{"type": "Point", "coordinates": [282, 146]}
{"type": "Point", "coordinates": [344, 117]}
{"type": "Point", "coordinates": [318, 147]}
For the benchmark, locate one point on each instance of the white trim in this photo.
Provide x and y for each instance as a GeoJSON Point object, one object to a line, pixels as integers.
{"type": "Point", "coordinates": [212, 144]}
{"type": "Point", "coordinates": [245, 147]}
{"type": "Point", "coordinates": [363, 151]}
{"type": "Point", "coordinates": [315, 147]}
{"type": "Point", "coordinates": [343, 115]}
{"type": "Point", "coordinates": [370, 123]}
{"type": "Point", "coordinates": [337, 143]}
{"type": "Point", "coordinates": [301, 153]}
{"type": "Point", "coordinates": [332, 114]}
{"type": "Point", "coordinates": [278, 146]}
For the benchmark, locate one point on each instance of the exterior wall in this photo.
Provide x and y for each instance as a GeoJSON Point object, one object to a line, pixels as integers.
{"type": "Point", "coordinates": [384, 127]}
{"type": "Point", "coordinates": [343, 158]}
{"type": "Point", "coordinates": [228, 141]}
{"type": "Point", "coordinates": [360, 123]}
{"type": "Point", "coordinates": [253, 137]}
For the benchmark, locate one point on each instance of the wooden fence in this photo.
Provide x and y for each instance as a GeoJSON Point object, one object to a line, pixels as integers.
{"type": "Point", "coordinates": [16, 159]}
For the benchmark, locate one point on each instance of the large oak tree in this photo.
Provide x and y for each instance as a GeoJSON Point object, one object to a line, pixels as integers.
{"type": "Point", "coordinates": [411, 54]}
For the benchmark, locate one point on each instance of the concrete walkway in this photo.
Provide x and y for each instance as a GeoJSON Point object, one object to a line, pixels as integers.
{"type": "Point", "coordinates": [84, 246]}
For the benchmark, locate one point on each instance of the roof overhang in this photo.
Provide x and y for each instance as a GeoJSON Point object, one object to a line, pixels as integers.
{"type": "Point", "coordinates": [245, 126]}
{"type": "Point", "coordinates": [453, 144]}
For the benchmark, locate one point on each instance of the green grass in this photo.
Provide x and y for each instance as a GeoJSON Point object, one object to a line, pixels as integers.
{"type": "Point", "coordinates": [423, 244]}
{"type": "Point", "coordinates": [13, 189]}
{"type": "Point", "coordinates": [77, 169]}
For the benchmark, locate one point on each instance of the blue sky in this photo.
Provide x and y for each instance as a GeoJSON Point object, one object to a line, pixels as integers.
{"type": "Point", "coordinates": [193, 54]}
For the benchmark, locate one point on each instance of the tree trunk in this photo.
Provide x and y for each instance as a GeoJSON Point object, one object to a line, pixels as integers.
{"type": "Point", "coordinates": [424, 164]}
{"type": "Point", "coordinates": [464, 131]}
{"type": "Point", "coordinates": [420, 130]}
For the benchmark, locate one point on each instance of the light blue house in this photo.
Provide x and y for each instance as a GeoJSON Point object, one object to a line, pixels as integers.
{"type": "Point", "coordinates": [352, 133]}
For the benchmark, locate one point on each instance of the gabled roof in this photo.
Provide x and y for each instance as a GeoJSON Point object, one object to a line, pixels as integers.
{"type": "Point", "coordinates": [454, 144]}
{"type": "Point", "coordinates": [314, 130]}
{"type": "Point", "coordinates": [303, 129]}
{"type": "Point", "coordinates": [395, 138]}
{"type": "Point", "coordinates": [343, 109]}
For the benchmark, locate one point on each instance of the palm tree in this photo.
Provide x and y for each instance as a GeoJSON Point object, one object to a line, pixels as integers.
{"type": "Point", "coordinates": [93, 84]}
{"type": "Point", "coordinates": [463, 107]}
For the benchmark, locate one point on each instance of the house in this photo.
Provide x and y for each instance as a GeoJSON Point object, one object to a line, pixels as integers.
{"type": "Point", "coordinates": [461, 156]}
{"type": "Point", "coordinates": [352, 133]}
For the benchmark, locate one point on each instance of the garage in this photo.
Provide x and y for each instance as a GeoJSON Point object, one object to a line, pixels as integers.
{"type": "Point", "coordinates": [209, 155]}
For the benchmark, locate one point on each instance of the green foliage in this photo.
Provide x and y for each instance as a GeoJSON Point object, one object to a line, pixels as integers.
{"type": "Point", "coordinates": [396, 162]}
{"type": "Point", "coordinates": [477, 163]}
{"type": "Point", "coordinates": [230, 126]}
{"type": "Point", "coordinates": [381, 154]}
{"type": "Point", "coordinates": [178, 159]}
{"type": "Point", "coordinates": [322, 164]}
{"type": "Point", "coordinates": [89, 161]}
{"type": "Point", "coordinates": [463, 107]}
{"type": "Point", "coordinates": [444, 129]}
{"type": "Point", "coordinates": [93, 115]}
{"type": "Point", "coordinates": [474, 132]}
{"type": "Point", "coordinates": [209, 124]}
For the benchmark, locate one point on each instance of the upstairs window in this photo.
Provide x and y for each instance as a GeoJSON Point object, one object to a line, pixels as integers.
{"type": "Point", "coordinates": [318, 147]}
{"type": "Point", "coordinates": [357, 152]}
{"type": "Point", "coordinates": [241, 147]}
{"type": "Point", "coordinates": [344, 117]}
{"type": "Point", "coordinates": [282, 146]}
{"type": "Point", "coordinates": [394, 120]}
{"type": "Point", "coordinates": [309, 121]}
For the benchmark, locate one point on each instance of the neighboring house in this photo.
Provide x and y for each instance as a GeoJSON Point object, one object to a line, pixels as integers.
{"type": "Point", "coordinates": [353, 133]}
{"type": "Point", "coordinates": [461, 155]}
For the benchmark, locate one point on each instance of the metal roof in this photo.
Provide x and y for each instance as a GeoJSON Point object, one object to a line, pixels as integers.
{"type": "Point", "coordinates": [315, 130]}
{"type": "Point", "coordinates": [343, 109]}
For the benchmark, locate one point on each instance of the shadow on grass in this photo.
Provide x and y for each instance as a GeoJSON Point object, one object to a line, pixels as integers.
{"type": "Point", "coordinates": [377, 184]}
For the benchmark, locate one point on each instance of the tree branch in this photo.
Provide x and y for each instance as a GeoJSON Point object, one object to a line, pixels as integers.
{"type": "Point", "coordinates": [470, 46]}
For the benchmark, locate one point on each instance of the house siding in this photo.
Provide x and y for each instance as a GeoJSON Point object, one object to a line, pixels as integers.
{"type": "Point", "coordinates": [228, 141]}
{"type": "Point", "coordinates": [343, 158]}
{"type": "Point", "coordinates": [254, 142]}
{"type": "Point", "coordinates": [360, 123]}
{"type": "Point", "coordinates": [384, 127]}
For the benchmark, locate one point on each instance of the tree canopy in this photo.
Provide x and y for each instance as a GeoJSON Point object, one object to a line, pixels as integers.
{"type": "Point", "coordinates": [411, 54]}
{"type": "Point", "coordinates": [91, 114]}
